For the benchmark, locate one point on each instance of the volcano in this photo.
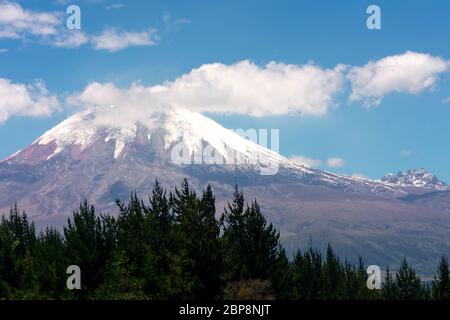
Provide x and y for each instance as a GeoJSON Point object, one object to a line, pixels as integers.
{"type": "Point", "coordinates": [102, 158]}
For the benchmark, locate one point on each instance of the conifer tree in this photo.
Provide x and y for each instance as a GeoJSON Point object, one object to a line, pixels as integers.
{"type": "Point", "coordinates": [138, 238]}
{"type": "Point", "coordinates": [118, 282]}
{"type": "Point", "coordinates": [251, 248]}
{"type": "Point", "coordinates": [132, 235]}
{"type": "Point", "coordinates": [51, 263]}
{"type": "Point", "coordinates": [351, 284]}
{"type": "Point", "coordinates": [86, 247]}
{"type": "Point", "coordinates": [333, 275]}
{"type": "Point", "coordinates": [407, 284]}
{"type": "Point", "coordinates": [172, 249]}
{"type": "Point", "coordinates": [233, 239]}
{"type": "Point", "coordinates": [308, 274]}
{"type": "Point", "coordinates": [282, 276]}
{"type": "Point", "coordinates": [198, 237]}
{"type": "Point", "coordinates": [388, 289]}
{"type": "Point", "coordinates": [17, 242]}
{"type": "Point", "coordinates": [441, 283]}
{"type": "Point", "coordinates": [162, 281]}
{"type": "Point", "coordinates": [261, 242]}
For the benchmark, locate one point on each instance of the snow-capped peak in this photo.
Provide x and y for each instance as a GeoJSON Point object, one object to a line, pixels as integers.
{"type": "Point", "coordinates": [420, 178]}
{"type": "Point", "coordinates": [78, 129]}
{"type": "Point", "coordinates": [194, 129]}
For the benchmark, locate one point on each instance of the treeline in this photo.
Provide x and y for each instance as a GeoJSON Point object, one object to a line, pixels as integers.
{"type": "Point", "coordinates": [173, 247]}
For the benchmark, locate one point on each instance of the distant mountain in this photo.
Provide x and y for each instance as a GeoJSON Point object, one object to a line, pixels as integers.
{"type": "Point", "coordinates": [103, 156]}
{"type": "Point", "coordinates": [420, 178]}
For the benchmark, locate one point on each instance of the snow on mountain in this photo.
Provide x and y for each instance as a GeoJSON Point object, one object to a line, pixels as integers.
{"type": "Point", "coordinates": [200, 139]}
{"type": "Point", "coordinates": [104, 154]}
{"type": "Point", "coordinates": [192, 129]}
{"type": "Point", "coordinates": [419, 178]}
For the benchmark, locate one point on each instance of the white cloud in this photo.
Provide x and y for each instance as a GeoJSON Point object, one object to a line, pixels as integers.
{"type": "Point", "coordinates": [66, 2]}
{"type": "Point", "coordinates": [49, 28]}
{"type": "Point", "coordinates": [113, 39]}
{"type": "Point", "coordinates": [245, 88]}
{"type": "Point", "coordinates": [410, 72]}
{"type": "Point", "coordinates": [174, 25]}
{"type": "Point", "coordinates": [114, 6]}
{"type": "Point", "coordinates": [241, 88]}
{"type": "Point", "coordinates": [183, 21]}
{"type": "Point", "coordinates": [311, 162]}
{"type": "Point", "coordinates": [25, 100]}
{"type": "Point", "coordinates": [335, 162]}
{"type": "Point", "coordinates": [18, 23]}
{"type": "Point", "coordinates": [446, 100]}
{"type": "Point", "coordinates": [3, 50]}
{"type": "Point", "coordinates": [62, 2]}
{"type": "Point", "coordinates": [70, 39]}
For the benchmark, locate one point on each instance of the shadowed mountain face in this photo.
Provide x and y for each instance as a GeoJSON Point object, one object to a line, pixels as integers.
{"type": "Point", "coordinates": [381, 221]}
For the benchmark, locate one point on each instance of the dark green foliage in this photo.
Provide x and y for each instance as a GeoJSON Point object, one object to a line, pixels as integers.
{"type": "Point", "coordinates": [441, 283]}
{"type": "Point", "coordinates": [17, 245]}
{"type": "Point", "coordinates": [261, 243]}
{"type": "Point", "coordinates": [308, 274]}
{"type": "Point", "coordinates": [250, 244]}
{"type": "Point", "coordinates": [51, 263]}
{"type": "Point", "coordinates": [233, 239]}
{"type": "Point", "coordinates": [197, 235]}
{"type": "Point", "coordinates": [355, 283]}
{"type": "Point", "coordinates": [333, 275]}
{"type": "Point", "coordinates": [89, 241]}
{"type": "Point", "coordinates": [173, 247]}
{"type": "Point", "coordinates": [282, 277]}
{"type": "Point", "coordinates": [388, 290]}
{"type": "Point", "coordinates": [329, 278]}
{"type": "Point", "coordinates": [405, 286]}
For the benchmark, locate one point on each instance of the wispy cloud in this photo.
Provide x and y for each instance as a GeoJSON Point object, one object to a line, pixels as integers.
{"type": "Point", "coordinates": [172, 24]}
{"type": "Point", "coordinates": [113, 39]}
{"type": "Point", "coordinates": [67, 2]}
{"type": "Point", "coordinates": [183, 21]}
{"type": "Point", "coordinates": [115, 6]}
{"type": "Point", "coordinates": [3, 50]}
{"type": "Point", "coordinates": [410, 72]}
{"type": "Point", "coordinates": [335, 162]}
{"type": "Point", "coordinates": [406, 152]}
{"type": "Point", "coordinates": [311, 162]}
{"type": "Point", "coordinates": [48, 28]}
{"type": "Point", "coordinates": [19, 23]}
{"type": "Point", "coordinates": [62, 2]}
{"type": "Point", "coordinates": [70, 39]}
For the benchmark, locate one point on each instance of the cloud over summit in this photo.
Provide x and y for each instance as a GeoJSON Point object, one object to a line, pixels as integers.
{"type": "Point", "coordinates": [241, 88]}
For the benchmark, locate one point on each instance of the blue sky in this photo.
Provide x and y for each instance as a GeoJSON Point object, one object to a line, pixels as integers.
{"type": "Point", "coordinates": [408, 129]}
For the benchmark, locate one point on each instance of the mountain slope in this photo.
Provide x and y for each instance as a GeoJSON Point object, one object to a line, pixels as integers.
{"type": "Point", "coordinates": [102, 156]}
